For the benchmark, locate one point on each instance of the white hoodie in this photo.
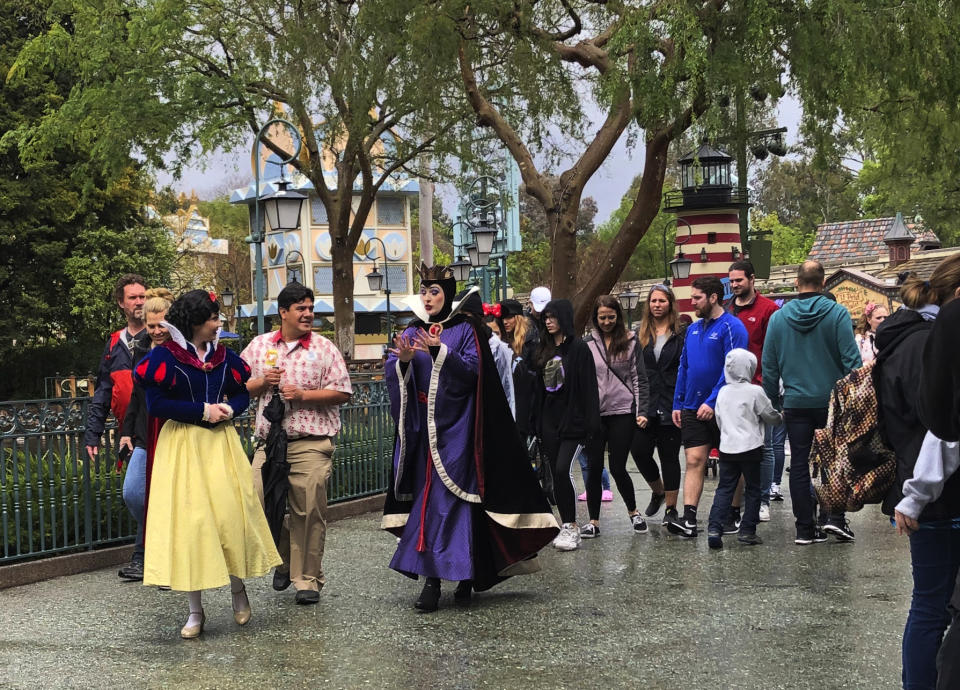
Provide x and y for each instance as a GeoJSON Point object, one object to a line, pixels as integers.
{"type": "Point", "coordinates": [742, 407]}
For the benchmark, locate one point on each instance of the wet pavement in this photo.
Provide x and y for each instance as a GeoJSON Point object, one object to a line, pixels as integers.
{"type": "Point", "coordinates": [646, 611]}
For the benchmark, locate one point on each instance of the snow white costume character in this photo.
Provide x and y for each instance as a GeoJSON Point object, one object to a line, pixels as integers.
{"type": "Point", "coordinates": [462, 497]}
{"type": "Point", "coordinates": [206, 526]}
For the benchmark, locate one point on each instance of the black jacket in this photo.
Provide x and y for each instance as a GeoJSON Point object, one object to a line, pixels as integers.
{"type": "Point", "coordinates": [662, 376]}
{"type": "Point", "coordinates": [525, 381]}
{"type": "Point", "coordinates": [573, 412]}
{"type": "Point", "coordinates": [940, 379]}
{"type": "Point", "coordinates": [900, 340]}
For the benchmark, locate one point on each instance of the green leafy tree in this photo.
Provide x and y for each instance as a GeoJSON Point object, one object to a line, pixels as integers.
{"type": "Point", "coordinates": [657, 69]}
{"type": "Point", "coordinates": [184, 74]}
{"type": "Point", "coordinates": [68, 229]}
{"type": "Point", "coordinates": [791, 245]}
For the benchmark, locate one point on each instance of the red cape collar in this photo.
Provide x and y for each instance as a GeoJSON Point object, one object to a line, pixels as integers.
{"type": "Point", "coordinates": [184, 356]}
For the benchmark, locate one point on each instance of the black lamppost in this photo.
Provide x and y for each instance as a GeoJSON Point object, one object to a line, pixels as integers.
{"type": "Point", "coordinates": [375, 280]}
{"type": "Point", "coordinates": [629, 299]}
{"type": "Point", "coordinates": [282, 207]}
{"type": "Point", "coordinates": [226, 299]}
{"type": "Point", "coordinates": [680, 266]}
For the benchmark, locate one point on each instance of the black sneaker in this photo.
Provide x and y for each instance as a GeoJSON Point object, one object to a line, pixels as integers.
{"type": "Point", "coordinates": [749, 539]}
{"type": "Point", "coordinates": [840, 528]}
{"type": "Point", "coordinates": [809, 535]}
{"type": "Point", "coordinates": [656, 500]}
{"type": "Point", "coordinates": [589, 531]}
{"type": "Point", "coordinates": [681, 527]}
{"type": "Point", "coordinates": [132, 571]}
{"type": "Point", "coordinates": [731, 526]}
{"type": "Point", "coordinates": [668, 515]}
{"type": "Point", "coordinates": [639, 524]}
{"type": "Point", "coordinates": [714, 539]}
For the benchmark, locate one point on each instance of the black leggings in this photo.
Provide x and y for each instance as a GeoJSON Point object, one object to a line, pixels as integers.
{"type": "Point", "coordinates": [559, 453]}
{"type": "Point", "coordinates": [616, 435]}
{"type": "Point", "coordinates": [664, 437]}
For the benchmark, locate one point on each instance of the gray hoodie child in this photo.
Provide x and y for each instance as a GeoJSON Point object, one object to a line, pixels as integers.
{"type": "Point", "coordinates": [742, 407]}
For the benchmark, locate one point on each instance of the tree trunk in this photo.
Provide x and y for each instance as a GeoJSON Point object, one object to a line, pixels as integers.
{"type": "Point", "coordinates": [562, 229]}
{"type": "Point", "coordinates": [342, 252]}
{"type": "Point", "coordinates": [635, 225]}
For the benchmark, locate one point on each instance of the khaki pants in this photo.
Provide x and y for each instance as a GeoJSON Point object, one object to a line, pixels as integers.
{"type": "Point", "coordinates": [305, 527]}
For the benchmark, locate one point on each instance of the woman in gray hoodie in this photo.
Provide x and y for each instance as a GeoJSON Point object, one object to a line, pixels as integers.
{"type": "Point", "coordinates": [622, 385]}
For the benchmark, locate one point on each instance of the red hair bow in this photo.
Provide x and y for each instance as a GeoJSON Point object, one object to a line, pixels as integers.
{"type": "Point", "coordinates": [492, 310]}
{"type": "Point", "coordinates": [213, 296]}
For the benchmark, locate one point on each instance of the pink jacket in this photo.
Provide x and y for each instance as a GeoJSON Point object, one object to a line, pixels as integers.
{"type": "Point", "coordinates": [622, 382]}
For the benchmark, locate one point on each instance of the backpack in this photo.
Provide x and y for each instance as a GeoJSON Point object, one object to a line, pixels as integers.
{"type": "Point", "coordinates": [852, 465]}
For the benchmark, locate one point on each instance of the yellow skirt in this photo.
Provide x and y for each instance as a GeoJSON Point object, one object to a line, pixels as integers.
{"type": "Point", "coordinates": [204, 520]}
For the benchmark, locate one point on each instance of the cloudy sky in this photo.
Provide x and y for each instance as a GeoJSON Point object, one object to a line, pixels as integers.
{"type": "Point", "coordinates": [209, 176]}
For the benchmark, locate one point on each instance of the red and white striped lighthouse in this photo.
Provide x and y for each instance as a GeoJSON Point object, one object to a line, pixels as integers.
{"type": "Point", "coordinates": [708, 219]}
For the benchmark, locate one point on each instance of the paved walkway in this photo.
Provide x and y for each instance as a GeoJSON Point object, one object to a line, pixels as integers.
{"type": "Point", "coordinates": [625, 611]}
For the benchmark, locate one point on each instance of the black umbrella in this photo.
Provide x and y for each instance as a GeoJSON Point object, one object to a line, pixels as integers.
{"type": "Point", "coordinates": [276, 469]}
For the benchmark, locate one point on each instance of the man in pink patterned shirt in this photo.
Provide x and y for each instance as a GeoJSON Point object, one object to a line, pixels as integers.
{"type": "Point", "coordinates": [309, 373]}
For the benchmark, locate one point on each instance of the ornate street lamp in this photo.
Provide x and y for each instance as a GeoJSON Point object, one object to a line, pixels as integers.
{"type": "Point", "coordinates": [283, 213]}
{"type": "Point", "coordinates": [478, 259]}
{"type": "Point", "coordinates": [484, 236]}
{"type": "Point", "coordinates": [374, 281]}
{"type": "Point", "coordinates": [227, 298]}
{"type": "Point", "coordinates": [461, 269]}
{"type": "Point", "coordinates": [283, 207]}
{"type": "Point", "coordinates": [629, 300]}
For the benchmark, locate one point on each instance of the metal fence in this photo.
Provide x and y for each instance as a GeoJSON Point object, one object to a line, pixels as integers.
{"type": "Point", "coordinates": [53, 500]}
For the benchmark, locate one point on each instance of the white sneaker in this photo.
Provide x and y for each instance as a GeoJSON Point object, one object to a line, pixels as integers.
{"type": "Point", "coordinates": [568, 539]}
{"type": "Point", "coordinates": [764, 513]}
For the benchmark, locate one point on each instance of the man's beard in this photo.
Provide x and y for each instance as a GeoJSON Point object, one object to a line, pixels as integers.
{"type": "Point", "coordinates": [704, 312]}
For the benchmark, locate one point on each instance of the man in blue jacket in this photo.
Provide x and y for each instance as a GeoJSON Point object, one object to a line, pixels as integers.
{"type": "Point", "coordinates": [699, 380]}
{"type": "Point", "coordinates": [810, 346]}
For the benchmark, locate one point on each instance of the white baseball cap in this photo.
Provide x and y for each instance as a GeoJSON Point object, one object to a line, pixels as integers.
{"type": "Point", "coordinates": [539, 298]}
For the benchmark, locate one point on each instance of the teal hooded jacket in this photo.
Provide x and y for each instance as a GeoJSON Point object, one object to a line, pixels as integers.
{"type": "Point", "coordinates": [810, 346]}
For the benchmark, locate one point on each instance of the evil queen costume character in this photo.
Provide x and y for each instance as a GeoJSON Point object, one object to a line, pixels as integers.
{"type": "Point", "coordinates": [462, 498]}
{"type": "Point", "coordinates": [206, 527]}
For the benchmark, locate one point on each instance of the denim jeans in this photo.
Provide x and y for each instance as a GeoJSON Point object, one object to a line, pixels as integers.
{"type": "Point", "coordinates": [766, 465]}
{"type": "Point", "coordinates": [935, 559]}
{"type": "Point", "coordinates": [731, 467]}
{"type": "Point", "coordinates": [801, 423]}
{"type": "Point", "coordinates": [582, 459]}
{"type": "Point", "coordinates": [135, 493]}
{"type": "Point", "coordinates": [779, 454]}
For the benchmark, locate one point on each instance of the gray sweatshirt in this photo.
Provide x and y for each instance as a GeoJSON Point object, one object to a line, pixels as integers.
{"type": "Point", "coordinates": [742, 407]}
{"type": "Point", "coordinates": [937, 462]}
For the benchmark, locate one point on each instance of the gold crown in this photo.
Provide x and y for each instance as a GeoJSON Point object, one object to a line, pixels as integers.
{"type": "Point", "coordinates": [435, 273]}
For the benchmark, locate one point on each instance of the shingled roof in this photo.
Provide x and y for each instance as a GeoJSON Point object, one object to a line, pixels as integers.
{"type": "Point", "coordinates": [862, 240]}
{"type": "Point", "coordinates": [922, 265]}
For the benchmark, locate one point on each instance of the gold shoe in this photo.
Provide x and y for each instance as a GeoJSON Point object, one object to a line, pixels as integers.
{"type": "Point", "coordinates": [242, 616]}
{"type": "Point", "coordinates": [188, 632]}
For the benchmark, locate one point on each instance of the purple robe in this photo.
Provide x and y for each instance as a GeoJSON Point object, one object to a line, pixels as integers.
{"type": "Point", "coordinates": [434, 404]}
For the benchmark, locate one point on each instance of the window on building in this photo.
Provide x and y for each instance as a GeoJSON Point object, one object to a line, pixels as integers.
{"type": "Point", "coordinates": [323, 280]}
{"type": "Point", "coordinates": [398, 277]}
{"type": "Point", "coordinates": [318, 212]}
{"type": "Point", "coordinates": [390, 210]}
{"type": "Point", "coordinates": [367, 324]}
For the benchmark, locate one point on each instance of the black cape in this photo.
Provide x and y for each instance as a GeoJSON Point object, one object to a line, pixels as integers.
{"type": "Point", "coordinates": [506, 544]}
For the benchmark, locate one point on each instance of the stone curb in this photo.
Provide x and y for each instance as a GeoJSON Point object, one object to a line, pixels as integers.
{"type": "Point", "coordinates": [29, 572]}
